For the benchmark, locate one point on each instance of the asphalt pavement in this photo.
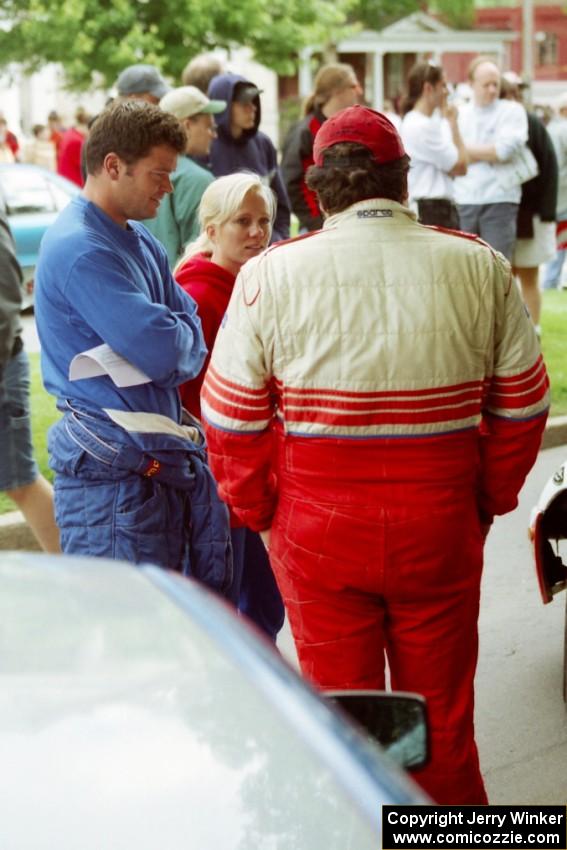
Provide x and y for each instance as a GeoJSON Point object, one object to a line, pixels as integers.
{"type": "Point", "coordinates": [520, 714]}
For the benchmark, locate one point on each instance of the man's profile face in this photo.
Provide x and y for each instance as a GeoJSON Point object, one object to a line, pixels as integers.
{"type": "Point", "coordinates": [142, 184]}
{"type": "Point", "coordinates": [201, 131]}
{"type": "Point", "coordinates": [485, 84]}
{"type": "Point", "coordinates": [242, 117]}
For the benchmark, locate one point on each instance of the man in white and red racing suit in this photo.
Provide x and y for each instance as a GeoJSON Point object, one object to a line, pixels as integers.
{"type": "Point", "coordinates": [375, 397]}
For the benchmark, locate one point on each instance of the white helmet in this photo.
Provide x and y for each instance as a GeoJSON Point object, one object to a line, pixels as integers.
{"type": "Point", "coordinates": [549, 522]}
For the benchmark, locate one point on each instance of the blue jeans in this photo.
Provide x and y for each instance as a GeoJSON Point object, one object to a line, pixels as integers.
{"type": "Point", "coordinates": [553, 269]}
{"type": "Point", "coordinates": [17, 465]}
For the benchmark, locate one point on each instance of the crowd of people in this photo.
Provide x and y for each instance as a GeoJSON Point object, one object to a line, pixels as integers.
{"type": "Point", "coordinates": [323, 426]}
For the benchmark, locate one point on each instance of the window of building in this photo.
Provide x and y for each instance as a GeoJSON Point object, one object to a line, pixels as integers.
{"type": "Point", "coordinates": [547, 48]}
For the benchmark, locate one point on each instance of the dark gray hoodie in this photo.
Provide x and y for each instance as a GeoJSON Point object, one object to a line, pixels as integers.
{"type": "Point", "coordinates": [10, 292]}
{"type": "Point", "coordinates": [253, 151]}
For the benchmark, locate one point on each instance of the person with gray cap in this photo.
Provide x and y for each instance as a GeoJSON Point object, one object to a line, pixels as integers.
{"type": "Point", "coordinates": [20, 478]}
{"type": "Point", "coordinates": [142, 82]}
{"type": "Point", "coordinates": [177, 223]}
{"type": "Point", "coordinates": [241, 145]}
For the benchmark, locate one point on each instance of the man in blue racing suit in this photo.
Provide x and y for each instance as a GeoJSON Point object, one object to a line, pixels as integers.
{"type": "Point", "coordinates": [132, 480]}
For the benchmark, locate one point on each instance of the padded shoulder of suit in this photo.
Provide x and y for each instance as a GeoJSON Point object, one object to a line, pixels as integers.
{"type": "Point", "coordinates": [300, 238]}
{"type": "Point", "coordinates": [472, 237]}
{"type": "Point", "coordinates": [503, 265]}
{"type": "Point", "coordinates": [250, 281]}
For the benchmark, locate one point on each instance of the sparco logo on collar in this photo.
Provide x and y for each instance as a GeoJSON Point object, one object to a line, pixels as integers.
{"type": "Point", "coordinates": [375, 213]}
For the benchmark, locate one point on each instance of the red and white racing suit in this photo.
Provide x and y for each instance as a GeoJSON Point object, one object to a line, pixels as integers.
{"type": "Point", "coordinates": [376, 395]}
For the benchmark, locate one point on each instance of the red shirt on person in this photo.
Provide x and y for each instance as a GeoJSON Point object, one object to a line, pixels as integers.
{"type": "Point", "coordinates": [210, 286]}
{"type": "Point", "coordinates": [69, 161]}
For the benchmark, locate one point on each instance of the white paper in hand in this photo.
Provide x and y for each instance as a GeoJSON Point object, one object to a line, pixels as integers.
{"type": "Point", "coordinates": [102, 360]}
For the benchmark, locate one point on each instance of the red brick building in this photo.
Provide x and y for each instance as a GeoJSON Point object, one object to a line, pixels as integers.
{"type": "Point", "coordinates": [550, 42]}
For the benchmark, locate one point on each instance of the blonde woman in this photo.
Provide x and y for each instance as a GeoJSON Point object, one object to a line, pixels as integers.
{"type": "Point", "coordinates": [236, 217]}
{"type": "Point", "coordinates": [335, 88]}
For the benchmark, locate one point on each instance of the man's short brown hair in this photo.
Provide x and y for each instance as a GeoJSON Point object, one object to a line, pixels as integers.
{"type": "Point", "coordinates": [350, 174]}
{"type": "Point", "coordinates": [130, 129]}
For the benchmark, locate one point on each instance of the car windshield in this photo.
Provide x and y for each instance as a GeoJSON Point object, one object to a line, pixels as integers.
{"type": "Point", "coordinates": [30, 192]}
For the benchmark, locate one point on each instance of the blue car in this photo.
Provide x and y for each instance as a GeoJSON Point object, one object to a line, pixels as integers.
{"type": "Point", "coordinates": [137, 711]}
{"type": "Point", "coordinates": [32, 198]}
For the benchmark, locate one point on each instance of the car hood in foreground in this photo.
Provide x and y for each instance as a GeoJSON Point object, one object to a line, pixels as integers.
{"type": "Point", "coordinates": [135, 711]}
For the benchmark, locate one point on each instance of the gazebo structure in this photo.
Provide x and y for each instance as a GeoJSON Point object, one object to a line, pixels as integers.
{"type": "Point", "coordinates": [383, 58]}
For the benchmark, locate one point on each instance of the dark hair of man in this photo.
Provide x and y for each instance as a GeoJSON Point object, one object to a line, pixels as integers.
{"type": "Point", "coordinates": [350, 174]}
{"type": "Point", "coordinates": [130, 129]}
{"type": "Point", "coordinates": [420, 74]}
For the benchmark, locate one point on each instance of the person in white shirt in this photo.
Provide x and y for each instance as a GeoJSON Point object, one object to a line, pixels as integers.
{"type": "Point", "coordinates": [431, 137]}
{"type": "Point", "coordinates": [493, 131]}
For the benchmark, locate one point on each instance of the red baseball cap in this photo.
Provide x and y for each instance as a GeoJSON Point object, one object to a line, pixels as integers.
{"type": "Point", "coordinates": [365, 127]}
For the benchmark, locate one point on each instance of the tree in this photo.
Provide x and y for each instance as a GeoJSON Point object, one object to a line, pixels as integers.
{"type": "Point", "coordinates": [456, 13]}
{"type": "Point", "coordinates": [88, 36]}
{"type": "Point", "coordinates": [377, 14]}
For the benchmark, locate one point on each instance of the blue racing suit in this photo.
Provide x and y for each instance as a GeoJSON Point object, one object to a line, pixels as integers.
{"type": "Point", "coordinates": [131, 481]}
{"type": "Point", "coordinates": [139, 497]}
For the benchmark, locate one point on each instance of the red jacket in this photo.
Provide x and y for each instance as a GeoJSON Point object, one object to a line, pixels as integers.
{"type": "Point", "coordinates": [211, 287]}
{"type": "Point", "coordinates": [12, 142]}
{"type": "Point", "coordinates": [69, 159]}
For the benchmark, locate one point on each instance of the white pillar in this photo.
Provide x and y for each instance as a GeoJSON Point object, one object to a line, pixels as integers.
{"type": "Point", "coordinates": [528, 48]}
{"type": "Point", "coordinates": [378, 81]}
{"type": "Point", "coordinates": [305, 75]}
{"type": "Point", "coordinates": [528, 40]}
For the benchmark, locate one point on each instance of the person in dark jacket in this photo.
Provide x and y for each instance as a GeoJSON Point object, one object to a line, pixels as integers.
{"type": "Point", "coordinates": [336, 87]}
{"type": "Point", "coordinates": [241, 146]}
{"type": "Point", "coordinates": [538, 206]}
{"type": "Point", "coordinates": [20, 478]}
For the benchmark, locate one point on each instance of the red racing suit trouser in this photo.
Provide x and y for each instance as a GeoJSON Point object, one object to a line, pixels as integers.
{"type": "Point", "coordinates": [380, 558]}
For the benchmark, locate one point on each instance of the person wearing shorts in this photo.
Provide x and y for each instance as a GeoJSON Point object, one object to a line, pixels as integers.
{"type": "Point", "coordinates": [537, 213]}
{"type": "Point", "coordinates": [20, 478]}
{"type": "Point", "coordinates": [557, 130]}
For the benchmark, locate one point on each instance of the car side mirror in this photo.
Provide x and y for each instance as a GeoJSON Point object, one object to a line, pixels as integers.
{"type": "Point", "coordinates": [397, 721]}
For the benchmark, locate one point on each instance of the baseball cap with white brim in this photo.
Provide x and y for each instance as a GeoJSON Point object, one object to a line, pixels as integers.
{"type": "Point", "coordinates": [187, 101]}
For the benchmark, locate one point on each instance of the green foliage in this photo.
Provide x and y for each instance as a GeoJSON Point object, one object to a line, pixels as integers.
{"type": "Point", "coordinates": [553, 324]}
{"type": "Point", "coordinates": [89, 36]}
{"type": "Point", "coordinates": [456, 13]}
{"type": "Point", "coordinates": [377, 14]}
